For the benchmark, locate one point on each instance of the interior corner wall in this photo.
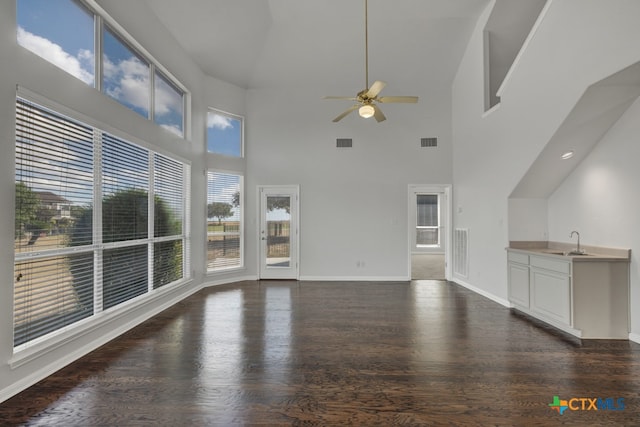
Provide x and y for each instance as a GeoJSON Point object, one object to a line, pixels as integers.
{"type": "Point", "coordinates": [600, 199]}
{"type": "Point", "coordinates": [577, 43]}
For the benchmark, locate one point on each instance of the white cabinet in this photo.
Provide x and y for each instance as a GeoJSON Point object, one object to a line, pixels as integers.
{"type": "Point", "coordinates": [586, 297]}
{"type": "Point", "coordinates": [550, 295]}
{"type": "Point", "coordinates": [519, 279]}
{"type": "Point", "coordinates": [541, 287]}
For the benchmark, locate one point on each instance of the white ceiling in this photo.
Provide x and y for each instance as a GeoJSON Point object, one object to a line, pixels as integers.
{"type": "Point", "coordinates": [414, 45]}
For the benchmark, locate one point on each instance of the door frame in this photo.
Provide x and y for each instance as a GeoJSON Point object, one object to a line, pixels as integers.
{"type": "Point", "coordinates": [446, 219]}
{"type": "Point", "coordinates": [294, 237]}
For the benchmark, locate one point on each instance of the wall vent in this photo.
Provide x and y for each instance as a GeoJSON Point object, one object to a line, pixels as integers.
{"type": "Point", "coordinates": [344, 143]}
{"type": "Point", "coordinates": [428, 142]}
{"type": "Point", "coordinates": [461, 252]}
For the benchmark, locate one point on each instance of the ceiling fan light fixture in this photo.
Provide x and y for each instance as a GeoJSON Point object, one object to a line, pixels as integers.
{"type": "Point", "coordinates": [366, 111]}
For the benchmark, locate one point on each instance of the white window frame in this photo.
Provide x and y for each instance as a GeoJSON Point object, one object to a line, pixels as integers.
{"type": "Point", "coordinates": [36, 346]}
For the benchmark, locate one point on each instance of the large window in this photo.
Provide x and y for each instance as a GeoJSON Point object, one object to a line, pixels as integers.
{"type": "Point", "coordinates": [224, 221]}
{"type": "Point", "coordinates": [64, 32]}
{"type": "Point", "coordinates": [99, 221]}
{"type": "Point", "coordinates": [224, 134]}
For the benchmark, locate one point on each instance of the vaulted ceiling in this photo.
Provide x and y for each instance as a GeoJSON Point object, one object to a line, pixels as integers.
{"type": "Point", "coordinates": [414, 45]}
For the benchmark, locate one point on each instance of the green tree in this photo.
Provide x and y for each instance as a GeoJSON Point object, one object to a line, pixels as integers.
{"type": "Point", "coordinates": [26, 206]}
{"type": "Point", "coordinates": [274, 203]}
{"type": "Point", "coordinates": [31, 215]}
{"type": "Point", "coordinates": [219, 210]}
{"type": "Point", "coordinates": [125, 217]}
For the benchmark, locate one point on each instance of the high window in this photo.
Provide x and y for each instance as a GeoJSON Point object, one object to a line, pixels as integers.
{"type": "Point", "coordinates": [64, 33]}
{"type": "Point", "coordinates": [99, 221]}
{"type": "Point", "coordinates": [224, 221]}
{"type": "Point", "coordinates": [224, 134]}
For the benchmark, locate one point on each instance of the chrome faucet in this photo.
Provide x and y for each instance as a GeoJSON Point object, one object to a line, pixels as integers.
{"type": "Point", "coordinates": [577, 250]}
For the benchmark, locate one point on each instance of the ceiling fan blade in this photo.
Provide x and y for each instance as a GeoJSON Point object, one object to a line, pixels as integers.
{"type": "Point", "coordinates": [377, 113]}
{"type": "Point", "coordinates": [375, 89]}
{"type": "Point", "coordinates": [404, 99]}
{"type": "Point", "coordinates": [343, 115]}
{"type": "Point", "coordinates": [348, 98]}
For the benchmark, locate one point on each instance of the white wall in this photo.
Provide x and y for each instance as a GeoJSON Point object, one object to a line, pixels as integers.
{"type": "Point", "coordinates": [21, 67]}
{"type": "Point", "coordinates": [577, 43]}
{"type": "Point", "coordinates": [528, 219]}
{"type": "Point", "coordinates": [353, 201]}
{"type": "Point", "coordinates": [601, 199]}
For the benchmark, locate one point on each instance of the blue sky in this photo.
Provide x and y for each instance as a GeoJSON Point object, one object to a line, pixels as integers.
{"type": "Point", "coordinates": [224, 135]}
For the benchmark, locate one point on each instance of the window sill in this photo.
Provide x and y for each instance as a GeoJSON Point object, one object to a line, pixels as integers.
{"type": "Point", "coordinates": [48, 343]}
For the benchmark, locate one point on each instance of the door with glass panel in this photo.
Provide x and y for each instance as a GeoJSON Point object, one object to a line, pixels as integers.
{"type": "Point", "coordinates": [278, 232]}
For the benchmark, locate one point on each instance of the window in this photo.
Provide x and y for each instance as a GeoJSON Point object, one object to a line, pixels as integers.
{"type": "Point", "coordinates": [168, 108]}
{"type": "Point", "coordinates": [77, 255]}
{"type": "Point", "coordinates": [224, 221]}
{"type": "Point", "coordinates": [427, 220]}
{"type": "Point", "coordinates": [63, 32]}
{"type": "Point", "coordinates": [224, 134]}
{"type": "Point", "coordinates": [126, 75]}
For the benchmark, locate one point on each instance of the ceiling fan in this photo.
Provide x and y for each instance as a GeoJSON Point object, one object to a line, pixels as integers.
{"type": "Point", "coordinates": [366, 99]}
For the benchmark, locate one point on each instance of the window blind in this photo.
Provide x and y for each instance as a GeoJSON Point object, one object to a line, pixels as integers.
{"type": "Point", "coordinates": [224, 221]}
{"type": "Point", "coordinates": [125, 189]}
{"type": "Point", "coordinates": [60, 270]}
{"type": "Point", "coordinates": [169, 217]}
{"type": "Point", "coordinates": [54, 173]}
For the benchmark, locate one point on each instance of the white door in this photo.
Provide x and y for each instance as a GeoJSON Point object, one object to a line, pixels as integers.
{"type": "Point", "coordinates": [278, 232]}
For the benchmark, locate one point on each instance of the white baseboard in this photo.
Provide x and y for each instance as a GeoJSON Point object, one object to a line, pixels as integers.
{"type": "Point", "coordinates": [634, 337]}
{"type": "Point", "coordinates": [355, 278]}
{"type": "Point", "coordinates": [218, 282]}
{"type": "Point", "coordinates": [482, 292]}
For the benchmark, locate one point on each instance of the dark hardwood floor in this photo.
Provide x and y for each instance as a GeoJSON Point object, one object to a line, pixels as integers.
{"type": "Point", "coordinates": [337, 353]}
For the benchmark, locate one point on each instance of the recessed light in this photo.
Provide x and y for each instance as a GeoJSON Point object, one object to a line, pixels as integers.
{"type": "Point", "coordinates": [567, 155]}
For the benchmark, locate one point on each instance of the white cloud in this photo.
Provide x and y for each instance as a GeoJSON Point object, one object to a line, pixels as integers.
{"type": "Point", "coordinates": [166, 98]}
{"type": "Point", "coordinates": [173, 129]}
{"type": "Point", "coordinates": [45, 48]}
{"type": "Point", "coordinates": [128, 82]}
{"type": "Point", "coordinates": [216, 121]}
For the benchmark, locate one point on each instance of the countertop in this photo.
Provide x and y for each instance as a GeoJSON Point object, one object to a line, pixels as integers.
{"type": "Point", "coordinates": [561, 250]}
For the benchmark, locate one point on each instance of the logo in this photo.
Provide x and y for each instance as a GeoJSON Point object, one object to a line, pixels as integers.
{"type": "Point", "coordinates": [558, 405]}
{"type": "Point", "coordinates": [586, 404]}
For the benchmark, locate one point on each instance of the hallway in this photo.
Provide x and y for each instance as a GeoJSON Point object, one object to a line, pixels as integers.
{"type": "Point", "coordinates": [336, 353]}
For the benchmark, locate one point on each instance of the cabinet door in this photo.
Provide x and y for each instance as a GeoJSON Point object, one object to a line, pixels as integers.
{"type": "Point", "coordinates": [519, 284]}
{"type": "Point", "coordinates": [550, 295]}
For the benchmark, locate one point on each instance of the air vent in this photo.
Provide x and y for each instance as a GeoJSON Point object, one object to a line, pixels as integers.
{"type": "Point", "coordinates": [461, 252]}
{"type": "Point", "coordinates": [428, 142]}
{"type": "Point", "coordinates": [344, 143]}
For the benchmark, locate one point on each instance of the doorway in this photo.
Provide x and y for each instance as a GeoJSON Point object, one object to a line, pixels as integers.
{"type": "Point", "coordinates": [278, 232]}
{"type": "Point", "coordinates": [429, 252]}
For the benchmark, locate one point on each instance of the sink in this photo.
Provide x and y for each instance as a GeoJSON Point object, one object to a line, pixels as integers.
{"type": "Point", "coordinates": [563, 253]}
